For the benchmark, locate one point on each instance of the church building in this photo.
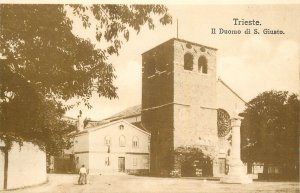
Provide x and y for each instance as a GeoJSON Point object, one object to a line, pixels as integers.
{"type": "Point", "coordinates": [187, 109]}
{"type": "Point", "coordinates": [183, 123]}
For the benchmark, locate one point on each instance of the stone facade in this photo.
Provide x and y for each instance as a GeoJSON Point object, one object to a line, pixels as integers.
{"type": "Point", "coordinates": [157, 104]}
{"type": "Point", "coordinates": [180, 102]}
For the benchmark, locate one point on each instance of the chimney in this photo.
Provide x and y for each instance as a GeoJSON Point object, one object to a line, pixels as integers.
{"type": "Point", "coordinates": [80, 122]}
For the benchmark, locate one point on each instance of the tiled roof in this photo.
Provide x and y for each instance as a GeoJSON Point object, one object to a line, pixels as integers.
{"type": "Point", "coordinates": [96, 123]}
{"type": "Point", "coordinates": [129, 112]}
{"type": "Point", "coordinates": [137, 125]}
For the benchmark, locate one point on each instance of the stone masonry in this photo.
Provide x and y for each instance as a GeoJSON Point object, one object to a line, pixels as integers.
{"type": "Point", "coordinates": [179, 105]}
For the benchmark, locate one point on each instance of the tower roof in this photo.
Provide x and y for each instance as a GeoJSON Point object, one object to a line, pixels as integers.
{"type": "Point", "coordinates": [180, 40]}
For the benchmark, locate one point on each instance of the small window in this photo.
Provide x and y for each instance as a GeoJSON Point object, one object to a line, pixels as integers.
{"type": "Point", "coordinates": [134, 161]}
{"type": "Point", "coordinates": [135, 142]}
{"type": "Point", "coordinates": [107, 161]}
{"type": "Point", "coordinates": [202, 65]}
{"type": "Point", "coordinates": [188, 61]}
{"type": "Point", "coordinates": [121, 127]}
{"type": "Point", "coordinates": [146, 162]}
{"type": "Point", "coordinates": [107, 140]}
{"type": "Point", "coordinates": [122, 141]}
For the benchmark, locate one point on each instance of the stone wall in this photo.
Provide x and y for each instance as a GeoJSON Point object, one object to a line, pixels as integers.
{"type": "Point", "coordinates": [157, 107]}
{"type": "Point", "coordinates": [195, 102]}
{"type": "Point", "coordinates": [157, 76]}
{"type": "Point", "coordinates": [192, 87]}
{"type": "Point", "coordinates": [160, 121]}
{"type": "Point", "coordinates": [26, 166]}
{"type": "Point", "coordinates": [178, 105]}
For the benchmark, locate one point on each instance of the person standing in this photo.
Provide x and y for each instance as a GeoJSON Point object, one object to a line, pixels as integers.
{"type": "Point", "coordinates": [51, 167]}
{"type": "Point", "coordinates": [82, 175]}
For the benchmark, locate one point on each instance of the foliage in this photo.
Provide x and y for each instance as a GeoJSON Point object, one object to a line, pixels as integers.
{"type": "Point", "coordinates": [270, 128]}
{"type": "Point", "coordinates": [196, 152]}
{"type": "Point", "coordinates": [33, 118]}
{"type": "Point", "coordinates": [43, 63]}
{"type": "Point", "coordinates": [175, 173]}
{"type": "Point", "coordinates": [115, 21]}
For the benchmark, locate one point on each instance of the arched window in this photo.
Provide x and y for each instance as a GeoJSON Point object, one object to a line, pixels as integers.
{"type": "Point", "coordinates": [188, 61]}
{"type": "Point", "coordinates": [202, 65]}
{"type": "Point", "coordinates": [135, 142]}
{"type": "Point", "coordinates": [107, 140]}
{"type": "Point", "coordinates": [122, 141]}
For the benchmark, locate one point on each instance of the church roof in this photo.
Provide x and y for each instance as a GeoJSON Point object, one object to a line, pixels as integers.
{"type": "Point", "coordinates": [221, 81]}
{"type": "Point", "coordinates": [128, 112]}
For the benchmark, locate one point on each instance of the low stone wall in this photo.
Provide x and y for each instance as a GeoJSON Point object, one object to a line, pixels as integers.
{"type": "Point", "coordinates": [26, 166]}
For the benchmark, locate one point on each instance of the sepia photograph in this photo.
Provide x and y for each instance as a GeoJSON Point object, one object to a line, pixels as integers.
{"type": "Point", "coordinates": [149, 97]}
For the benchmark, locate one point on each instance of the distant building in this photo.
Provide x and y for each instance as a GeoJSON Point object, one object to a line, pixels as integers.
{"type": "Point", "coordinates": [116, 146]}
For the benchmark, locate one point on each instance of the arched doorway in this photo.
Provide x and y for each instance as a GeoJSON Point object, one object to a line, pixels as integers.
{"type": "Point", "coordinates": [198, 167]}
{"type": "Point", "coordinates": [192, 162]}
{"type": "Point", "coordinates": [187, 169]}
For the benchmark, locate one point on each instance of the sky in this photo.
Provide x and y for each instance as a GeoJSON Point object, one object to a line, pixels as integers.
{"type": "Point", "coordinates": [248, 63]}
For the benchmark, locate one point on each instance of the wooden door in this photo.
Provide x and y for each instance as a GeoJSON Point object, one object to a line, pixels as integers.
{"type": "Point", "coordinates": [121, 164]}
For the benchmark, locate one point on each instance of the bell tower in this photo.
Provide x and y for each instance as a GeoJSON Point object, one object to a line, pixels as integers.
{"type": "Point", "coordinates": [178, 100]}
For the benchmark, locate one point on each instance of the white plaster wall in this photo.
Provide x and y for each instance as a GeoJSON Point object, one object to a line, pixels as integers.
{"type": "Point", "coordinates": [1, 169]}
{"type": "Point", "coordinates": [97, 142]}
{"type": "Point", "coordinates": [92, 150]}
{"type": "Point", "coordinates": [142, 161]}
{"type": "Point", "coordinates": [26, 166]}
{"type": "Point", "coordinates": [98, 166]}
{"type": "Point", "coordinates": [97, 162]}
{"type": "Point", "coordinates": [81, 143]}
{"type": "Point", "coordinates": [83, 159]}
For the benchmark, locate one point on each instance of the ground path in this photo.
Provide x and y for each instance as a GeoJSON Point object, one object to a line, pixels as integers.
{"type": "Point", "coordinates": [63, 183]}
